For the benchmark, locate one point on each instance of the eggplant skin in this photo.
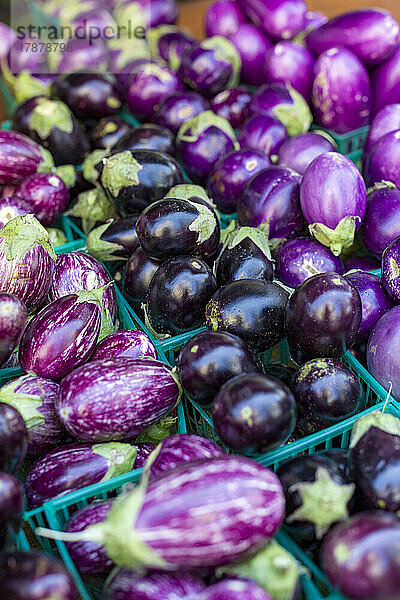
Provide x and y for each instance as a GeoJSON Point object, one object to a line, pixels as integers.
{"type": "Point", "coordinates": [243, 261]}
{"type": "Point", "coordinates": [125, 584]}
{"type": "Point", "coordinates": [12, 501]}
{"type": "Point", "coordinates": [13, 320]}
{"type": "Point", "coordinates": [131, 343]}
{"type": "Point", "coordinates": [13, 438]}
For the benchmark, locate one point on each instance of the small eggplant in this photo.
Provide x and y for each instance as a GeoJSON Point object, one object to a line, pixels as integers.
{"type": "Point", "coordinates": [231, 105]}
{"type": "Point", "coordinates": [252, 46]}
{"type": "Point", "coordinates": [382, 219]}
{"type": "Point", "coordinates": [13, 320]}
{"type": "Point", "coordinates": [108, 131]}
{"type": "Point", "coordinates": [12, 503]}
{"type": "Point", "coordinates": [13, 438]}
{"type": "Point", "coordinates": [178, 108]}
{"type": "Point", "coordinates": [113, 241]}
{"type": "Point", "coordinates": [124, 342]}
{"type": "Point", "coordinates": [391, 269]}
{"type": "Point", "coordinates": [262, 132]}
{"type": "Point", "coordinates": [137, 275]}
{"type": "Point", "coordinates": [281, 19]}
{"type": "Point", "coordinates": [383, 362]}
{"type": "Point", "coordinates": [46, 194]}
{"type": "Point", "coordinates": [289, 62]}
{"type": "Point", "coordinates": [147, 137]}
{"type": "Point", "coordinates": [385, 121]}
{"type": "Point", "coordinates": [223, 17]}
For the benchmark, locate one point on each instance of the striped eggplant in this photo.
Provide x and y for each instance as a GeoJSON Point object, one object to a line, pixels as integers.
{"type": "Point", "coordinates": [13, 320]}
{"type": "Point", "coordinates": [63, 335]}
{"type": "Point", "coordinates": [47, 195]}
{"type": "Point", "coordinates": [143, 451]}
{"type": "Point", "coordinates": [234, 589]}
{"type": "Point", "coordinates": [11, 207]}
{"type": "Point", "coordinates": [34, 399]}
{"type": "Point", "coordinates": [131, 343]}
{"type": "Point", "coordinates": [20, 157]}
{"type": "Point", "coordinates": [125, 584]}
{"type": "Point", "coordinates": [116, 399]}
{"type": "Point", "coordinates": [13, 438]}
{"type": "Point", "coordinates": [26, 260]}
{"type": "Point", "coordinates": [72, 467]}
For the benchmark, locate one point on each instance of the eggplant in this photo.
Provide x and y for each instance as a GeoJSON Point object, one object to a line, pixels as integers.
{"type": "Point", "coordinates": [360, 263]}
{"type": "Point", "coordinates": [230, 174]}
{"type": "Point", "coordinates": [125, 584]}
{"type": "Point", "coordinates": [46, 194]}
{"type": "Point", "coordinates": [62, 335]}
{"type": "Point", "coordinates": [26, 267]}
{"type": "Point", "coordinates": [298, 152]}
{"type": "Point", "coordinates": [245, 255]}
{"type": "Point", "coordinates": [12, 501]}
{"type": "Point", "coordinates": [34, 398]}
{"type": "Point", "coordinates": [137, 276]}
{"type": "Point", "coordinates": [326, 393]}
{"type": "Point", "coordinates": [341, 458]}
{"type": "Point", "coordinates": [171, 227]}
{"type": "Point", "coordinates": [234, 589]}
{"type": "Point", "coordinates": [34, 576]}
{"type": "Point", "coordinates": [346, 553]}
{"type": "Point", "coordinates": [391, 270]}
{"type": "Point", "coordinates": [211, 358]}
{"type": "Point", "coordinates": [316, 493]}
{"type": "Point", "coordinates": [254, 413]}
{"type": "Point", "coordinates": [115, 240]}
{"type": "Point", "coordinates": [298, 259]}
{"type": "Point", "coordinates": [386, 82]}
{"type": "Point", "coordinates": [280, 19]}
{"type": "Point", "coordinates": [11, 207]}
{"type": "Point", "coordinates": [289, 62]}
{"type": "Point", "coordinates": [13, 438]}
{"type": "Point", "coordinates": [143, 451]}
{"type": "Point", "coordinates": [88, 54]}
{"type": "Point", "coordinates": [322, 318]}
{"type": "Point", "coordinates": [374, 300]}
{"type": "Point", "coordinates": [88, 95]}
{"type": "Point", "coordinates": [72, 467]}
{"type": "Point", "coordinates": [178, 294]}
{"type": "Point", "coordinates": [223, 17]}
{"type": "Point", "coordinates": [13, 320]}
{"type": "Point", "coordinates": [115, 399]}
{"type": "Point", "coordinates": [108, 131]}
{"type": "Point", "coordinates": [272, 196]}
{"type": "Point", "coordinates": [89, 558]}
{"type": "Point", "coordinates": [264, 133]}
{"type": "Point", "coordinates": [147, 137]}
{"type": "Point", "coordinates": [333, 199]}
{"type": "Point", "coordinates": [385, 121]}
{"type": "Point", "coordinates": [20, 157]}
{"type": "Point", "coordinates": [179, 107]}
{"type": "Point", "coordinates": [201, 141]}
{"type": "Point", "coordinates": [131, 343]}
{"type": "Point", "coordinates": [168, 44]}
{"type": "Point", "coordinates": [252, 309]}
{"type": "Point", "coordinates": [231, 105]}
{"type": "Point", "coordinates": [135, 179]}
{"type": "Point", "coordinates": [382, 161]}
{"type": "Point", "coordinates": [383, 363]}
{"type": "Point", "coordinates": [252, 46]}
{"type": "Point", "coordinates": [382, 219]}
{"type": "Point", "coordinates": [8, 37]}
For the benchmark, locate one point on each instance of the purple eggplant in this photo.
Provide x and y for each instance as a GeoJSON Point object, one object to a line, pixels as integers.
{"type": "Point", "coordinates": [88, 95]}
{"type": "Point", "coordinates": [386, 81]}
{"type": "Point", "coordinates": [371, 34]}
{"type": "Point", "coordinates": [360, 263]}
{"type": "Point", "coordinates": [374, 300]}
{"type": "Point", "coordinates": [341, 91]}
{"type": "Point", "coordinates": [382, 219]}
{"type": "Point", "coordinates": [234, 589]}
{"type": "Point", "coordinates": [26, 268]}
{"type": "Point", "coordinates": [70, 468]}
{"type": "Point", "coordinates": [46, 194]}
{"type": "Point", "coordinates": [11, 207]}
{"type": "Point", "coordinates": [382, 161]}
{"type": "Point", "coordinates": [347, 550]}
{"type": "Point", "coordinates": [254, 413]}
{"type": "Point", "coordinates": [333, 199]}
{"type": "Point", "coordinates": [385, 121]}
{"type": "Point", "coordinates": [383, 363]}
{"type": "Point", "coordinates": [223, 17]}
{"type": "Point", "coordinates": [314, 19]}
{"type": "Point", "coordinates": [113, 241]}
{"type": "Point", "coordinates": [115, 399]}
{"type": "Point", "coordinates": [34, 576]}
{"type": "Point", "coordinates": [19, 157]}
{"type": "Point", "coordinates": [147, 137]}
{"type": "Point", "coordinates": [108, 131]}
{"type": "Point", "coordinates": [13, 320]}
{"type": "Point", "coordinates": [172, 227]}
{"type": "Point", "coordinates": [284, 103]}
{"type": "Point", "coordinates": [252, 309]}
{"type": "Point", "coordinates": [178, 294]}
{"type": "Point", "coordinates": [298, 152]}
{"type": "Point", "coordinates": [252, 46]}
{"type": "Point", "coordinates": [326, 392]}
{"type": "Point", "coordinates": [262, 133]}
{"type": "Point", "coordinates": [87, 54]}
{"type": "Point", "coordinates": [168, 44]}
{"type": "Point", "coordinates": [288, 62]}
{"type": "Point", "coordinates": [34, 398]}
{"type": "Point", "coordinates": [89, 558]}
{"type": "Point", "coordinates": [137, 275]}
{"type": "Point", "coordinates": [211, 66]}
{"type": "Point", "coordinates": [231, 104]}
{"type": "Point", "coordinates": [125, 342]}
{"type": "Point", "coordinates": [280, 19]}
{"type": "Point", "coordinates": [202, 141]}
{"type": "Point", "coordinates": [178, 108]}
{"type": "Point", "coordinates": [12, 503]}
{"type": "Point", "coordinates": [143, 451]}
{"type": "Point", "coordinates": [322, 318]}
{"type": "Point", "coordinates": [13, 438]}
{"type": "Point", "coordinates": [210, 359]}
{"type": "Point", "coordinates": [8, 37]}
{"type": "Point", "coordinates": [125, 584]}
{"type": "Point", "coordinates": [300, 258]}
{"type": "Point", "coordinates": [391, 270]}
{"type": "Point", "coordinates": [272, 196]}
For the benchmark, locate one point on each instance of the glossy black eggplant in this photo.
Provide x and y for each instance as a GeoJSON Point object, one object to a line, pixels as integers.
{"type": "Point", "coordinates": [106, 133]}
{"type": "Point", "coordinates": [13, 438]}
{"type": "Point", "coordinates": [115, 240]}
{"type": "Point", "coordinates": [11, 507]}
{"type": "Point", "coordinates": [137, 275]}
{"type": "Point", "coordinates": [147, 137]}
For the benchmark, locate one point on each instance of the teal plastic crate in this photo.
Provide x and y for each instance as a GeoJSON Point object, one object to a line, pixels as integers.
{"type": "Point", "coordinates": [346, 142]}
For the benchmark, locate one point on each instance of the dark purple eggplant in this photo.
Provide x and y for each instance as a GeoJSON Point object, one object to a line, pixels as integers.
{"type": "Point", "coordinates": [317, 495]}
{"type": "Point", "coordinates": [88, 95]}
{"type": "Point", "coordinates": [178, 294]}
{"type": "Point", "coordinates": [326, 392]}
{"type": "Point", "coordinates": [147, 137]}
{"type": "Point", "coordinates": [385, 121]}
{"type": "Point", "coordinates": [137, 275]}
{"type": "Point", "coordinates": [11, 207]}
{"type": "Point", "coordinates": [117, 398]}
{"type": "Point", "coordinates": [168, 44]}
{"type": "Point", "coordinates": [11, 508]}
{"type": "Point", "coordinates": [108, 131]}
{"type": "Point", "coordinates": [89, 558]}
{"type": "Point", "coordinates": [254, 413]}
{"type": "Point", "coordinates": [13, 320]}
{"type": "Point", "coordinates": [177, 108]}
{"type": "Point", "coordinates": [262, 132]}
{"type": "Point", "coordinates": [13, 438]}
{"type": "Point", "coordinates": [211, 358]}
{"type": "Point", "coordinates": [113, 241]}
{"type": "Point", "coordinates": [125, 584]}
{"type": "Point", "coordinates": [20, 157]}
{"type": "Point", "coordinates": [382, 162]}
{"type": "Point", "coordinates": [172, 227]}
{"type": "Point", "coordinates": [231, 104]}
{"type": "Point", "coordinates": [124, 342]}
{"type": "Point", "coordinates": [360, 263]}
{"type": "Point", "coordinates": [322, 318]}
{"type": "Point", "coordinates": [75, 466]}
{"type": "Point", "coordinates": [391, 269]}
{"type": "Point", "coordinates": [348, 550]}
{"type": "Point", "coordinates": [34, 576]}
{"type": "Point", "coordinates": [46, 194]}
{"type": "Point", "coordinates": [245, 255]}
{"type": "Point", "coordinates": [252, 309]}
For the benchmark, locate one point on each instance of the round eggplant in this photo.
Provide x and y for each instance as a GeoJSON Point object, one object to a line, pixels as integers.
{"type": "Point", "coordinates": [223, 18]}
{"type": "Point", "coordinates": [147, 137]}
{"type": "Point", "coordinates": [210, 359]}
{"type": "Point", "coordinates": [11, 508]}
{"type": "Point", "coordinates": [113, 241]}
{"type": "Point", "coordinates": [125, 342]}
{"type": "Point", "coordinates": [391, 270]}
{"type": "Point", "coordinates": [13, 438]}
{"type": "Point", "coordinates": [168, 44]}
{"type": "Point", "coordinates": [125, 584]}
{"type": "Point", "coordinates": [382, 219]}
{"type": "Point", "coordinates": [281, 19]}
{"type": "Point", "coordinates": [386, 81]}
{"type": "Point", "coordinates": [137, 275]}
{"type": "Point", "coordinates": [289, 62]}
{"type": "Point", "coordinates": [178, 294]}
{"type": "Point", "coordinates": [231, 105]}
{"type": "Point", "coordinates": [178, 108]}
{"type": "Point", "coordinates": [144, 449]}
{"type": "Point", "coordinates": [322, 318]}
{"type": "Point", "coordinates": [254, 413]}
{"type": "Point", "coordinates": [252, 309]}
{"type": "Point", "coordinates": [11, 207]}
{"type": "Point", "coordinates": [108, 131]}
{"type": "Point", "coordinates": [46, 194]}
{"type": "Point", "coordinates": [252, 46]}
{"type": "Point", "coordinates": [383, 363]}
{"type": "Point", "coordinates": [264, 133]}
{"type": "Point", "coordinates": [298, 152]}
{"type": "Point", "coordinates": [13, 320]}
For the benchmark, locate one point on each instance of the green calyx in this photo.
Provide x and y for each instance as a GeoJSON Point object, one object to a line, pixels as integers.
{"type": "Point", "coordinates": [130, 11]}
{"type": "Point", "coordinates": [92, 206]}
{"type": "Point", "coordinates": [186, 191]}
{"type": "Point", "coordinates": [51, 113]}
{"type": "Point", "coordinates": [89, 171]}
{"type": "Point", "coordinates": [158, 432]}
{"type": "Point", "coordinates": [224, 50]}
{"type": "Point", "coordinates": [101, 249]}
{"type": "Point", "coordinates": [323, 501]}
{"type": "Point", "coordinates": [120, 170]}
{"type": "Point", "coordinates": [153, 36]}
{"type": "Point", "coordinates": [336, 239]}
{"type": "Point", "coordinates": [46, 165]}
{"type": "Point", "coordinates": [258, 235]}
{"type": "Point", "coordinates": [120, 456]}
{"type": "Point", "coordinates": [24, 85]}
{"type": "Point", "coordinates": [204, 224]}
{"type": "Point", "coordinates": [126, 48]}
{"type": "Point", "coordinates": [107, 127]}
{"type": "Point", "coordinates": [296, 117]}
{"type": "Point", "coordinates": [57, 237]}
{"type": "Point", "coordinates": [93, 296]}
{"type": "Point", "coordinates": [21, 235]}
{"type": "Point", "coordinates": [383, 421]}
{"type": "Point", "coordinates": [26, 404]}
{"type": "Point", "coordinates": [67, 173]}
{"type": "Point", "coordinates": [191, 130]}
{"type": "Point", "coordinates": [381, 185]}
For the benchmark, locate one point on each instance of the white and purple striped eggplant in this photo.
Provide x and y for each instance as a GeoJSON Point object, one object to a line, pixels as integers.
{"type": "Point", "coordinates": [233, 589]}
{"type": "Point", "coordinates": [124, 584]}
{"type": "Point", "coordinates": [26, 260]}
{"type": "Point", "coordinates": [63, 335]}
{"type": "Point", "coordinates": [75, 466]}
{"type": "Point", "coordinates": [34, 399]}
{"type": "Point", "coordinates": [20, 157]}
{"type": "Point", "coordinates": [116, 399]}
{"type": "Point", "coordinates": [131, 343]}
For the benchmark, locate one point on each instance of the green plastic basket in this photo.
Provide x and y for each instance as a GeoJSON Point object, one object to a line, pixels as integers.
{"type": "Point", "coordinates": [346, 142]}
